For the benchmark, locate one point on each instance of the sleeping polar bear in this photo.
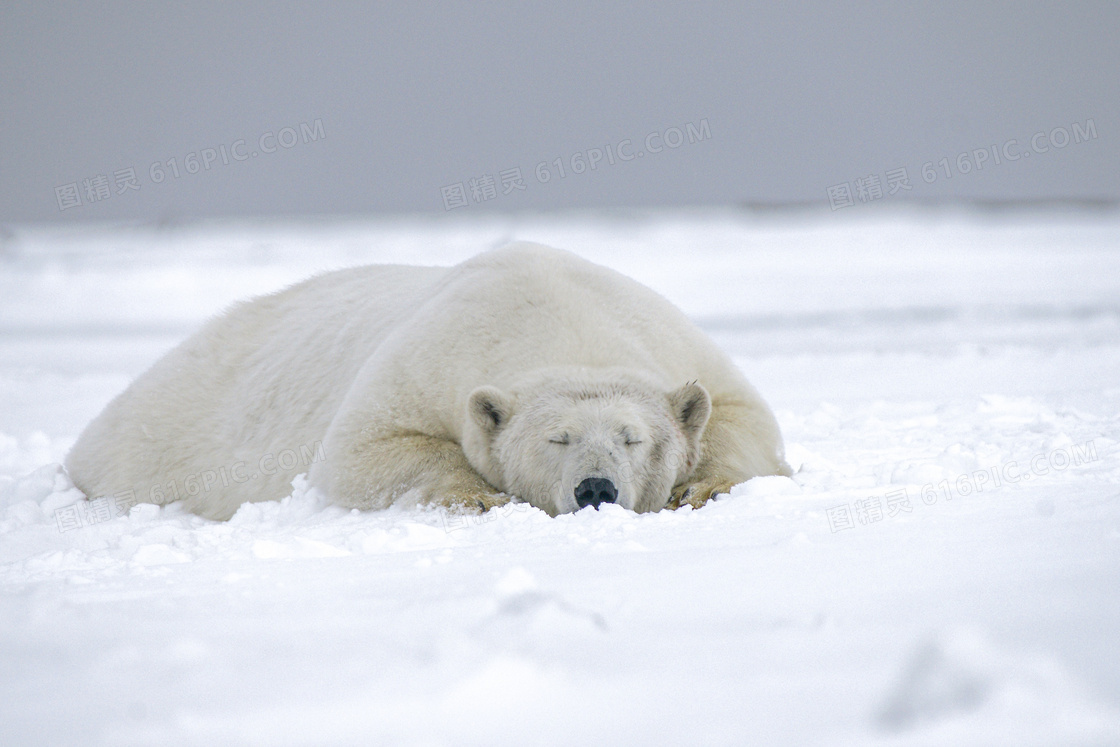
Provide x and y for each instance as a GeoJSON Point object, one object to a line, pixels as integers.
{"type": "Point", "coordinates": [524, 372]}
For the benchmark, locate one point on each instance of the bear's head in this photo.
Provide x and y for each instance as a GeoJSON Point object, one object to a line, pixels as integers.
{"type": "Point", "coordinates": [563, 442]}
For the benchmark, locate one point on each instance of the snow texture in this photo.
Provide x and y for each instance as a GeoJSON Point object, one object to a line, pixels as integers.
{"type": "Point", "coordinates": [942, 569]}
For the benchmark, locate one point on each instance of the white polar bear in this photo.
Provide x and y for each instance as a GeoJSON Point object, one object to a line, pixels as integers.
{"type": "Point", "coordinates": [525, 371]}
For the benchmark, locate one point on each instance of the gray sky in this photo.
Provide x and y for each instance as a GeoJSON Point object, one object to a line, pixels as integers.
{"type": "Point", "coordinates": [398, 100]}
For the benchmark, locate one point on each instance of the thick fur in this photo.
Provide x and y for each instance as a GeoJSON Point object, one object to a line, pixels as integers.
{"type": "Point", "coordinates": [522, 371]}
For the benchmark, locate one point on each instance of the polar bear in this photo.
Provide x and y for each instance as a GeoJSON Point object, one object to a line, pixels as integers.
{"type": "Point", "coordinates": [523, 373]}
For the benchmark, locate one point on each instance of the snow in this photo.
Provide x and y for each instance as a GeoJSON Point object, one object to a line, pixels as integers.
{"type": "Point", "coordinates": [948, 385]}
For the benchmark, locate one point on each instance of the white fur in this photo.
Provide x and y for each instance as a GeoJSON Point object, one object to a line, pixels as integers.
{"type": "Point", "coordinates": [400, 373]}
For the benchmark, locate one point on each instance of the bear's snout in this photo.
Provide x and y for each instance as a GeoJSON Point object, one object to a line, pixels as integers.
{"type": "Point", "coordinates": [595, 490]}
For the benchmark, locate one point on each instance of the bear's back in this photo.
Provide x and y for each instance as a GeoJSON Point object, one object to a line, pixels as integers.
{"type": "Point", "coordinates": [559, 309]}
{"type": "Point", "coordinates": [525, 307]}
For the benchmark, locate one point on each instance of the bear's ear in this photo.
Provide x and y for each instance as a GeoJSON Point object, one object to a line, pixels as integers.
{"type": "Point", "coordinates": [691, 406]}
{"type": "Point", "coordinates": [489, 408]}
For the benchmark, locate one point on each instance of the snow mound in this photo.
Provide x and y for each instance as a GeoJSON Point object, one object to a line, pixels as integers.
{"type": "Point", "coordinates": [958, 689]}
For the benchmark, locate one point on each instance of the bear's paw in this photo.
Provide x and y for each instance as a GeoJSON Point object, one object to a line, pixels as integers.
{"type": "Point", "coordinates": [473, 502]}
{"type": "Point", "coordinates": [696, 494]}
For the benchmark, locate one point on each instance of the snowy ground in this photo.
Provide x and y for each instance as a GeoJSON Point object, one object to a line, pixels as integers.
{"type": "Point", "coordinates": [943, 569]}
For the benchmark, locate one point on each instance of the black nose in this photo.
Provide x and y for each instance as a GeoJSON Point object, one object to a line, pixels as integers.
{"type": "Point", "coordinates": [595, 490]}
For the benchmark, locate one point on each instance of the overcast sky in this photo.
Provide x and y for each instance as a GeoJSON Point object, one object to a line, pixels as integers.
{"type": "Point", "coordinates": [266, 109]}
